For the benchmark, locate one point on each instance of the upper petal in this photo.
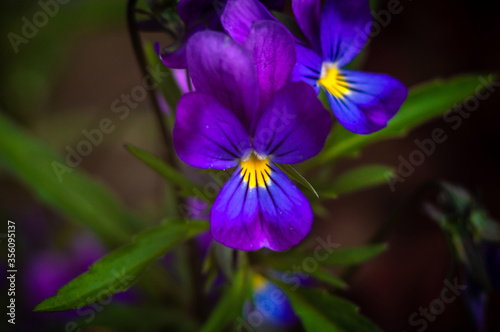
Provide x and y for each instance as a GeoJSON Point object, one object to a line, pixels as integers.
{"type": "Point", "coordinates": [274, 214]}
{"type": "Point", "coordinates": [206, 134]}
{"type": "Point", "coordinates": [223, 68]}
{"type": "Point", "coordinates": [239, 15]}
{"type": "Point", "coordinates": [308, 67]}
{"type": "Point", "coordinates": [343, 29]}
{"type": "Point", "coordinates": [294, 126]}
{"type": "Point", "coordinates": [370, 102]}
{"type": "Point", "coordinates": [273, 50]}
{"type": "Point", "coordinates": [307, 14]}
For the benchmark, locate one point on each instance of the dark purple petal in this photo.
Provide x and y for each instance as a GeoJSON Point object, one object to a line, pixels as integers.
{"type": "Point", "coordinates": [371, 101]}
{"type": "Point", "coordinates": [294, 126]}
{"type": "Point", "coordinates": [308, 67]}
{"type": "Point", "coordinates": [223, 68]}
{"type": "Point", "coordinates": [343, 26]}
{"type": "Point", "coordinates": [239, 15]}
{"type": "Point", "coordinates": [273, 50]}
{"type": "Point", "coordinates": [174, 59]}
{"type": "Point", "coordinates": [307, 14]}
{"type": "Point", "coordinates": [174, 56]}
{"type": "Point", "coordinates": [274, 214]}
{"type": "Point", "coordinates": [206, 134]}
{"type": "Point", "coordinates": [191, 11]}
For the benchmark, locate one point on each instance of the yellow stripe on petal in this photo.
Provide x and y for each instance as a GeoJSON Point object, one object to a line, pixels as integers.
{"type": "Point", "coordinates": [333, 81]}
{"type": "Point", "coordinates": [255, 170]}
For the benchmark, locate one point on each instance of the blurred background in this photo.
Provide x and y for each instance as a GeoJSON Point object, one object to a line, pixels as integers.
{"type": "Point", "coordinates": [64, 78]}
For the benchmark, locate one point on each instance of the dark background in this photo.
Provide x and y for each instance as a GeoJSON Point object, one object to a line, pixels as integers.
{"type": "Point", "coordinates": [62, 82]}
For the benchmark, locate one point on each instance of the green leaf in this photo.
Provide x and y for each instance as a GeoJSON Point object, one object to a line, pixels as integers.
{"type": "Point", "coordinates": [360, 178]}
{"type": "Point", "coordinates": [353, 256]}
{"type": "Point", "coordinates": [424, 103]}
{"type": "Point", "coordinates": [320, 311]}
{"type": "Point", "coordinates": [329, 278]}
{"type": "Point", "coordinates": [294, 175]}
{"type": "Point", "coordinates": [231, 305]}
{"type": "Point", "coordinates": [66, 189]}
{"type": "Point", "coordinates": [165, 170]}
{"type": "Point", "coordinates": [284, 261]}
{"type": "Point", "coordinates": [121, 268]}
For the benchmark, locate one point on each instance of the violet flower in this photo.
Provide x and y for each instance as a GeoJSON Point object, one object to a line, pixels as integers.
{"type": "Point", "coordinates": [245, 115]}
{"type": "Point", "coordinates": [362, 102]}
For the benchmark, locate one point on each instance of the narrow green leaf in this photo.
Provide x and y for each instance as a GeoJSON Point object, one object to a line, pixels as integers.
{"type": "Point", "coordinates": [357, 179]}
{"type": "Point", "coordinates": [165, 170]}
{"type": "Point", "coordinates": [329, 278]}
{"type": "Point", "coordinates": [320, 311]}
{"type": "Point", "coordinates": [424, 103]}
{"type": "Point", "coordinates": [294, 175]}
{"type": "Point", "coordinates": [353, 256]}
{"type": "Point", "coordinates": [64, 188]}
{"type": "Point", "coordinates": [121, 268]}
{"type": "Point", "coordinates": [231, 305]}
{"type": "Point", "coordinates": [284, 261]}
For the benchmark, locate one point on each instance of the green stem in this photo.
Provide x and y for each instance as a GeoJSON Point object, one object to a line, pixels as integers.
{"type": "Point", "coordinates": [143, 65]}
{"type": "Point", "coordinates": [170, 153]}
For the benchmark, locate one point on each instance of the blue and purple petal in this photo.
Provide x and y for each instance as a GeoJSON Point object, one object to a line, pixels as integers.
{"type": "Point", "coordinates": [370, 102]}
{"type": "Point", "coordinates": [294, 126]}
{"type": "Point", "coordinates": [307, 14]}
{"type": "Point", "coordinates": [261, 209]}
{"type": "Point", "coordinates": [208, 135]}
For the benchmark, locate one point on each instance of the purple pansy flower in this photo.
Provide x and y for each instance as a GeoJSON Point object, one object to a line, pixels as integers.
{"type": "Point", "coordinates": [245, 115]}
{"type": "Point", "coordinates": [362, 102]}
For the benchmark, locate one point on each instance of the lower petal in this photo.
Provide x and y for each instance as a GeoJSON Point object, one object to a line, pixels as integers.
{"type": "Point", "coordinates": [273, 214]}
{"type": "Point", "coordinates": [365, 102]}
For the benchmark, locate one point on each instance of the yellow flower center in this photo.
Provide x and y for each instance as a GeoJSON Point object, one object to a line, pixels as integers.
{"type": "Point", "coordinates": [333, 81]}
{"type": "Point", "coordinates": [255, 170]}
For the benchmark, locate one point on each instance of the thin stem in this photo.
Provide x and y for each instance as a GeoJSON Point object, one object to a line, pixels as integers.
{"type": "Point", "coordinates": [170, 153]}
{"type": "Point", "coordinates": [141, 59]}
